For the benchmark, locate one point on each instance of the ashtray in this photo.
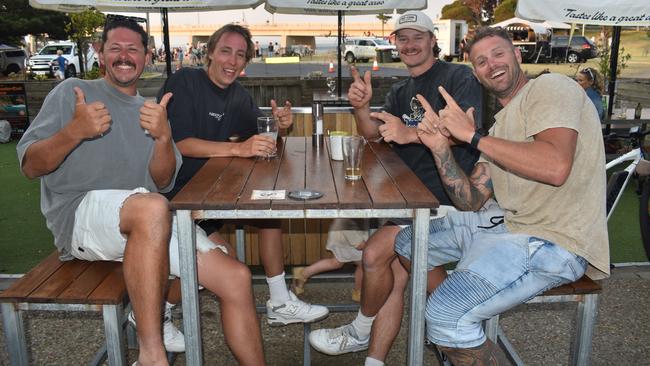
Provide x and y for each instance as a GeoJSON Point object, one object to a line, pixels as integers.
{"type": "Point", "coordinates": [305, 194]}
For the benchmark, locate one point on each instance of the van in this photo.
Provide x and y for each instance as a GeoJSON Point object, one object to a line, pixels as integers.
{"type": "Point", "coordinates": [12, 60]}
{"type": "Point", "coordinates": [365, 48]}
{"type": "Point", "coordinates": [41, 63]}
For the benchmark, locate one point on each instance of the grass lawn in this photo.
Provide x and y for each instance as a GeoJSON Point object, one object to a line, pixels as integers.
{"type": "Point", "coordinates": [25, 240]}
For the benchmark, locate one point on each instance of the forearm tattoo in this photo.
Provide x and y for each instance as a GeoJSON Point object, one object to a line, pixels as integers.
{"type": "Point", "coordinates": [467, 193]}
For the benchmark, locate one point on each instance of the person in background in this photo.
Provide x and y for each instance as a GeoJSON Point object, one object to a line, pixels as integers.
{"type": "Point", "coordinates": [463, 48]}
{"type": "Point", "coordinates": [61, 63]}
{"type": "Point", "coordinates": [591, 81]}
{"type": "Point", "coordinates": [345, 239]}
{"type": "Point", "coordinates": [103, 153]}
{"type": "Point", "coordinates": [212, 115]}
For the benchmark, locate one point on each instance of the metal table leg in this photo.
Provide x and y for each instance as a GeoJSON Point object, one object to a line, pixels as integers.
{"type": "Point", "coordinates": [189, 288]}
{"type": "Point", "coordinates": [418, 286]}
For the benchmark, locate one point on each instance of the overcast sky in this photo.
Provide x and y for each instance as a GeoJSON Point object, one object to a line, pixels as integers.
{"type": "Point", "coordinates": [259, 15]}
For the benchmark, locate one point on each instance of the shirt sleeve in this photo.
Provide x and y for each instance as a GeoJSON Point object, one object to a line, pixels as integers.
{"type": "Point", "coordinates": [180, 110]}
{"type": "Point", "coordinates": [543, 102]}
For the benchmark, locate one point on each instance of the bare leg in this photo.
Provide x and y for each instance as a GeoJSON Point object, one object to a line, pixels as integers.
{"type": "Point", "coordinates": [389, 319]}
{"type": "Point", "coordinates": [146, 222]}
{"type": "Point", "coordinates": [174, 291]}
{"type": "Point", "coordinates": [378, 254]}
{"type": "Point", "coordinates": [271, 252]}
{"type": "Point", "coordinates": [320, 266]}
{"type": "Point", "coordinates": [230, 281]}
{"type": "Point", "coordinates": [486, 354]}
{"type": "Point", "coordinates": [358, 275]}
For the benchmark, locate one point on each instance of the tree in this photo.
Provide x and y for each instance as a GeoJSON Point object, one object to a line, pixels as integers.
{"type": "Point", "coordinates": [505, 10]}
{"type": "Point", "coordinates": [482, 10]}
{"type": "Point", "coordinates": [457, 10]}
{"type": "Point", "coordinates": [81, 28]}
{"type": "Point", "coordinates": [384, 19]}
{"type": "Point", "coordinates": [604, 51]}
{"type": "Point", "coordinates": [18, 19]}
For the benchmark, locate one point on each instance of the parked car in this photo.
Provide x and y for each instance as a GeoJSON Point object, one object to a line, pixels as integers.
{"type": "Point", "coordinates": [364, 49]}
{"type": "Point", "coordinates": [581, 48]}
{"type": "Point", "coordinates": [299, 50]}
{"type": "Point", "coordinates": [12, 60]}
{"type": "Point", "coordinates": [41, 63]}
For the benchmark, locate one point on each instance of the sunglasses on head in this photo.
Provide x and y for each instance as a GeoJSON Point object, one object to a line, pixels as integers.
{"type": "Point", "coordinates": [588, 71]}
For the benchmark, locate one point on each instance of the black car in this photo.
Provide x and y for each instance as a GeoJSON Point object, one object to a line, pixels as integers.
{"type": "Point", "coordinates": [581, 48]}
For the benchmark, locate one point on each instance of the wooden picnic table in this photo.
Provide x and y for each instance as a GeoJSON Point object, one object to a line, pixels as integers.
{"type": "Point", "coordinates": [223, 187]}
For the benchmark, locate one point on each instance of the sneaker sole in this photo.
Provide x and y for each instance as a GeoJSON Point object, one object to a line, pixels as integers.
{"type": "Point", "coordinates": [168, 349]}
{"type": "Point", "coordinates": [279, 322]}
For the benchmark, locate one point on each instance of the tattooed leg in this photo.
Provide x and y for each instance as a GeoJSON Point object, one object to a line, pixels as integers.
{"type": "Point", "coordinates": [487, 354]}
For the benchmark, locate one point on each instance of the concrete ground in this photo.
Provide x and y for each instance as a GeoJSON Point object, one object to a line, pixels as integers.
{"type": "Point", "coordinates": [541, 333]}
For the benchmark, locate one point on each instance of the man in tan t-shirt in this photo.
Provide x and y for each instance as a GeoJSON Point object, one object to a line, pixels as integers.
{"type": "Point", "coordinates": [544, 163]}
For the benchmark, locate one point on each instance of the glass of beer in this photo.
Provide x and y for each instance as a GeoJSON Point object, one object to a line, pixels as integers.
{"type": "Point", "coordinates": [268, 126]}
{"type": "Point", "coordinates": [352, 156]}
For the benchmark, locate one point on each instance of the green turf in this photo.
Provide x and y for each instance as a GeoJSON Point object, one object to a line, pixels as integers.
{"type": "Point", "coordinates": [24, 239]}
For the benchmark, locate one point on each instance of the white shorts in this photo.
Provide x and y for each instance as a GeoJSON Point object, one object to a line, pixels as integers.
{"type": "Point", "coordinates": [59, 74]}
{"type": "Point", "coordinates": [344, 237]}
{"type": "Point", "coordinates": [96, 235]}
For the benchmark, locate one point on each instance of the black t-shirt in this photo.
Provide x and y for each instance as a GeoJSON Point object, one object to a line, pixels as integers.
{"type": "Point", "coordinates": [201, 109]}
{"type": "Point", "coordinates": [461, 84]}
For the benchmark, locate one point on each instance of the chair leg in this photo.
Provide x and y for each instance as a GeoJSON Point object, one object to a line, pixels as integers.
{"type": "Point", "coordinates": [12, 321]}
{"type": "Point", "coordinates": [306, 347]}
{"type": "Point", "coordinates": [114, 331]}
{"type": "Point", "coordinates": [585, 321]}
{"type": "Point", "coordinates": [240, 241]}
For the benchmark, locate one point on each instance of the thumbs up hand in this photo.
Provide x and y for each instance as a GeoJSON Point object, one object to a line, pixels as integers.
{"type": "Point", "coordinates": [153, 118]}
{"type": "Point", "coordinates": [360, 91]}
{"type": "Point", "coordinates": [89, 120]}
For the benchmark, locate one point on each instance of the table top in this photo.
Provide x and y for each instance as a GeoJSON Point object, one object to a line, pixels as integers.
{"type": "Point", "coordinates": [227, 183]}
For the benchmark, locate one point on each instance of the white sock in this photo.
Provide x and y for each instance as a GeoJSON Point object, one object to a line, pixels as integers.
{"type": "Point", "coordinates": [363, 325]}
{"type": "Point", "coordinates": [278, 289]}
{"type": "Point", "coordinates": [373, 362]}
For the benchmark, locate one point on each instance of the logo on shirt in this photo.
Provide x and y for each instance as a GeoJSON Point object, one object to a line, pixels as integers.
{"type": "Point", "coordinates": [215, 115]}
{"type": "Point", "coordinates": [417, 112]}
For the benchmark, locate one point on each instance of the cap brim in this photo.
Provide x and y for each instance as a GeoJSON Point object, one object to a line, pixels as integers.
{"type": "Point", "coordinates": [415, 27]}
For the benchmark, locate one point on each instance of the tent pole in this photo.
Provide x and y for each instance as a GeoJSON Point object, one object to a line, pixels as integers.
{"type": "Point", "coordinates": [168, 54]}
{"type": "Point", "coordinates": [338, 53]}
{"type": "Point", "coordinates": [613, 66]}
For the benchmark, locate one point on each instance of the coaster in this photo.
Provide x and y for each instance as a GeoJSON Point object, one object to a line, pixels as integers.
{"type": "Point", "coordinates": [305, 194]}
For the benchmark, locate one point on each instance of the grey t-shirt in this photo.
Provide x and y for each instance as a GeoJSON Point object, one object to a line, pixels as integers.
{"type": "Point", "coordinates": [118, 160]}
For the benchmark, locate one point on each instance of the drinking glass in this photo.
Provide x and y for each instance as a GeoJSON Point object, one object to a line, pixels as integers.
{"type": "Point", "coordinates": [352, 156]}
{"type": "Point", "coordinates": [268, 126]}
{"type": "Point", "coordinates": [331, 86]}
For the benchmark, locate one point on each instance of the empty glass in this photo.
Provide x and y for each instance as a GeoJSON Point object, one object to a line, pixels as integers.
{"type": "Point", "coordinates": [331, 86]}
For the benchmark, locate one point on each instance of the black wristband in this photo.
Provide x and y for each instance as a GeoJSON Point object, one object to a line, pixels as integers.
{"type": "Point", "coordinates": [475, 139]}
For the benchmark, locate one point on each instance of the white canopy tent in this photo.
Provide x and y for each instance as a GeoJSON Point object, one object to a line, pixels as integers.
{"type": "Point", "coordinates": [616, 13]}
{"type": "Point", "coordinates": [339, 8]}
{"type": "Point", "coordinates": [143, 6]}
{"type": "Point", "coordinates": [538, 27]}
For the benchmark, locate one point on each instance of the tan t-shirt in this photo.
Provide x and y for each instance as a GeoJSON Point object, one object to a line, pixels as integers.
{"type": "Point", "coordinates": [572, 215]}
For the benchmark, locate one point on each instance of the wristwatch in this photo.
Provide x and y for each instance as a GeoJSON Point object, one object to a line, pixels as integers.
{"type": "Point", "coordinates": [475, 139]}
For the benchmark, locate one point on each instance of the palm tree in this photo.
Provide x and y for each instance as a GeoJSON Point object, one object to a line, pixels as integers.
{"type": "Point", "coordinates": [384, 19]}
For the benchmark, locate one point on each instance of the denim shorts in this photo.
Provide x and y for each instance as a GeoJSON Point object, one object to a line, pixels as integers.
{"type": "Point", "coordinates": [96, 235]}
{"type": "Point", "coordinates": [496, 271]}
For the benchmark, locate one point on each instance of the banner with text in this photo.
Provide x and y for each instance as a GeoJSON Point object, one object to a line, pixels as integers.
{"type": "Point", "coordinates": [350, 7]}
{"type": "Point", "coordinates": [603, 12]}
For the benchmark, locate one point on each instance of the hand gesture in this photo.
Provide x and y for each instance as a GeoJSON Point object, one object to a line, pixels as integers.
{"type": "Point", "coordinates": [89, 120]}
{"type": "Point", "coordinates": [429, 130]}
{"type": "Point", "coordinates": [256, 145]}
{"type": "Point", "coordinates": [283, 116]}
{"type": "Point", "coordinates": [153, 118]}
{"type": "Point", "coordinates": [360, 91]}
{"type": "Point", "coordinates": [459, 123]}
{"type": "Point", "coordinates": [393, 129]}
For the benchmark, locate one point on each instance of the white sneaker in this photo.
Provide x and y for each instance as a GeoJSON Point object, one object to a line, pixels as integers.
{"type": "Point", "coordinates": [173, 338]}
{"type": "Point", "coordinates": [294, 311]}
{"type": "Point", "coordinates": [337, 341]}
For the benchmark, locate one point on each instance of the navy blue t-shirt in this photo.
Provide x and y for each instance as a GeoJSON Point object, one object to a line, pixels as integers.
{"type": "Point", "coordinates": [201, 109]}
{"type": "Point", "coordinates": [461, 84]}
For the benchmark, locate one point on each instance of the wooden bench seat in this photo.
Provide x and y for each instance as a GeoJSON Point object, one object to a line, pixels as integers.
{"type": "Point", "coordinates": [583, 291]}
{"type": "Point", "coordinates": [74, 285]}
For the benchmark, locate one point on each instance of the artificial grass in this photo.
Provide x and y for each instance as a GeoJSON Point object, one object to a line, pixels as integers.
{"type": "Point", "coordinates": [25, 240]}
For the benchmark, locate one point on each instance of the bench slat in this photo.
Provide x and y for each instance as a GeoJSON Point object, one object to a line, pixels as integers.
{"type": "Point", "coordinates": [32, 280]}
{"type": "Point", "coordinates": [50, 290]}
{"type": "Point", "coordinates": [83, 285]}
{"type": "Point", "coordinates": [112, 290]}
{"type": "Point", "coordinates": [584, 285]}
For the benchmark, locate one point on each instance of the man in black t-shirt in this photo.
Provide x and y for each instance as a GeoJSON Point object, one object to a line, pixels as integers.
{"type": "Point", "coordinates": [212, 115]}
{"type": "Point", "coordinates": [384, 279]}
